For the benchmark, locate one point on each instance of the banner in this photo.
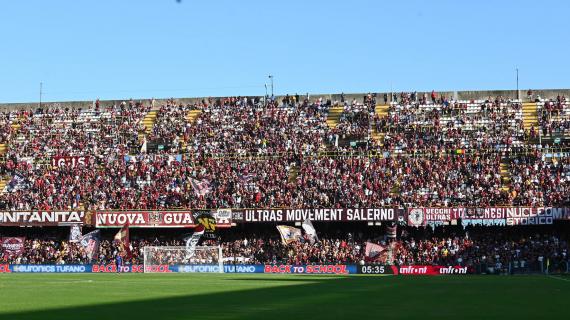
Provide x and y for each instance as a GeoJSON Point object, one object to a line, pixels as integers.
{"type": "Point", "coordinates": [416, 217]}
{"type": "Point", "coordinates": [300, 215]}
{"type": "Point", "coordinates": [41, 218]}
{"type": "Point", "coordinates": [488, 216]}
{"type": "Point", "coordinates": [210, 268]}
{"type": "Point", "coordinates": [484, 217]}
{"type": "Point", "coordinates": [155, 219]}
{"type": "Point", "coordinates": [433, 216]}
{"type": "Point", "coordinates": [529, 216]}
{"type": "Point", "coordinates": [559, 213]}
{"type": "Point", "coordinates": [200, 268]}
{"type": "Point", "coordinates": [13, 246]}
{"type": "Point", "coordinates": [130, 268]}
{"type": "Point", "coordinates": [83, 268]}
{"type": "Point", "coordinates": [310, 269]}
{"type": "Point", "coordinates": [73, 161]}
{"type": "Point", "coordinates": [430, 270]}
{"type": "Point", "coordinates": [332, 269]}
{"type": "Point", "coordinates": [63, 268]}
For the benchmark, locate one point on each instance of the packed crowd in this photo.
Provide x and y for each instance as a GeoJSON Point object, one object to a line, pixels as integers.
{"type": "Point", "coordinates": [540, 183]}
{"type": "Point", "coordinates": [249, 153]}
{"type": "Point", "coordinates": [554, 116]}
{"type": "Point", "coordinates": [244, 126]}
{"type": "Point", "coordinates": [69, 132]}
{"type": "Point", "coordinates": [491, 247]}
{"type": "Point", "coordinates": [417, 125]}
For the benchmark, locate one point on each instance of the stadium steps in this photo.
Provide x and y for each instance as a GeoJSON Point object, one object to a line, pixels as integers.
{"type": "Point", "coordinates": [381, 111]}
{"type": "Point", "coordinates": [505, 176]}
{"type": "Point", "coordinates": [193, 115]}
{"type": "Point", "coordinates": [530, 115]}
{"type": "Point", "coordinates": [3, 149]}
{"type": "Point", "coordinates": [148, 122]}
{"type": "Point", "coordinates": [333, 117]}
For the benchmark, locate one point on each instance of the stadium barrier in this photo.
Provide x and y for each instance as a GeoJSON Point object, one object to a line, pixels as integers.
{"type": "Point", "coordinates": [330, 269]}
{"type": "Point", "coordinates": [226, 218]}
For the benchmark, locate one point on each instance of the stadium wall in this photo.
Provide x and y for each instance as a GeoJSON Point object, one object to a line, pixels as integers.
{"type": "Point", "coordinates": [460, 95]}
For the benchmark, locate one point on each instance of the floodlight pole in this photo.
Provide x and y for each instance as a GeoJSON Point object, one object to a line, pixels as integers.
{"type": "Point", "coordinates": [41, 85]}
{"type": "Point", "coordinates": [271, 77]}
{"type": "Point", "coordinates": [518, 95]}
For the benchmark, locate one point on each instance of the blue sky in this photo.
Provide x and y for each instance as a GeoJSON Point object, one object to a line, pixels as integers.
{"type": "Point", "coordinates": [110, 49]}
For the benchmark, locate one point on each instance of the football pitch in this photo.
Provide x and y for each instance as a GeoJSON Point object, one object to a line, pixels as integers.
{"type": "Point", "coordinates": [273, 297]}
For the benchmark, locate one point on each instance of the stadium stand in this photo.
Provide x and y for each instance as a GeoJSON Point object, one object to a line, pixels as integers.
{"type": "Point", "coordinates": [417, 150]}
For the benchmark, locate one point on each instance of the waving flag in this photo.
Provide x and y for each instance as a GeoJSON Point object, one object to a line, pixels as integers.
{"type": "Point", "coordinates": [289, 234]}
{"type": "Point", "coordinates": [90, 242]}
{"type": "Point", "coordinates": [375, 252]}
{"type": "Point", "coordinates": [192, 240]}
{"type": "Point", "coordinates": [392, 230]}
{"type": "Point", "coordinates": [122, 241]}
{"type": "Point", "coordinates": [18, 182]}
{"type": "Point", "coordinates": [75, 233]}
{"type": "Point", "coordinates": [310, 230]}
{"type": "Point", "coordinates": [201, 188]}
{"type": "Point", "coordinates": [245, 178]}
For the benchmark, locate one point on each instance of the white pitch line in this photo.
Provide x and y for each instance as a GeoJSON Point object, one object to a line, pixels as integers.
{"type": "Point", "coordinates": [559, 278]}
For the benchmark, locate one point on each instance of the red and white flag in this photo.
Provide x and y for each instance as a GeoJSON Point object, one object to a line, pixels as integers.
{"type": "Point", "coordinates": [122, 241]}
{"type": "Point", "coordinates": [375, 252]}
{"type": "Point", "coordinates": [201, 188]}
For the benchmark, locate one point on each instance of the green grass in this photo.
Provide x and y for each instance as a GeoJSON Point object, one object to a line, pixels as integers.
{"type": "Point", "coordinates": [273, 297]}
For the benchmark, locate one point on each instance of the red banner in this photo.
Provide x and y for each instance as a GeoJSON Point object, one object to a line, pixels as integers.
{"type": "Point", "coordinates": [72, 161]}
{"type": "Point", "coordinates": [310, 269]}
{"type": "Point", "coordinates": [431, 270]}
{"type": "Point", "coordinates": [41, 218]}
{"type": "Point", "coordinates": [135, 268]}
{"type": "Point", "coordinates": [155, 219]}
{"type": "Point", "coordinates": [13, 246]}
{"type": "Point", "coordinates": [4, 268]}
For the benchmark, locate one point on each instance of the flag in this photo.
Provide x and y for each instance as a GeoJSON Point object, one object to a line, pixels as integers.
{"type": "Point", "coordinates": [310, 230]}
{"type": "Point", "coordinates": [245, 178]}
{"type": "Point", "coordinates": [375, 252]}
{"type": "Point", "coordinates": [122, 241]}
{"type": "Point", "coordinates": [201, 188]}
{"type": "Point", "coordinates": [75, 233]}
{"type": "Point", "coordinates": [144, 147]}
{"type": "Point", "coordinates": [289, 234]}
{"type": "Point", "coordinates": [90, 243]}
{"type": "Point", "coordinates": [392, 231]}
{"type": "Point", "coordinates": [192, 240]}
{"type": "Point", "coordinates": [12, 246]}
{"type": "Point", "coordinates": [18, 182]}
